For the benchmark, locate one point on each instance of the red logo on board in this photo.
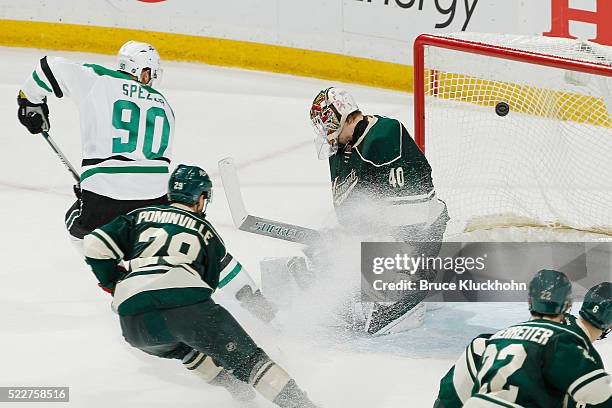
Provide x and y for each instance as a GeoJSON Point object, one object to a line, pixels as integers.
{"type": "Point", "coordinates": [562, 14]}
{"type": "Point", "coordinates": [151, 1]}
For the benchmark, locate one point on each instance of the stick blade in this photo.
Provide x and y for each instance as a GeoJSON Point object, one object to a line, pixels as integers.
{"type": "Point", "coordinates": [257, 225]}
{"type": "Point", "coordinates": [280, 230]}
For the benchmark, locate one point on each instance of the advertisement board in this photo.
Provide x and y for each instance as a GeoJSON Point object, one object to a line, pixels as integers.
{"type": "Point", "coordinates": [378, 30]}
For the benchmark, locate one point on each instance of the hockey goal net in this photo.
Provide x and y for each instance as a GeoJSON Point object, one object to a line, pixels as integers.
{"type": "Point", "coordinates": [517, 129]}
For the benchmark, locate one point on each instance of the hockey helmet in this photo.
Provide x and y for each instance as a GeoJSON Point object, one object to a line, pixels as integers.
{"type": "Point", "coordinates": [597, 306]}
{"type": "Point", "coordinates": [134, 57]}
{"type": "Point", "coordinates": [328, 114]}
{"type": "Point", "coordinates": [188, 183]}
{"type": "Point", "coordinates": [550, 293]}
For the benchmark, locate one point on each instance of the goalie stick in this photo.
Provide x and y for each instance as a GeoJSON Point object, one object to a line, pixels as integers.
{"type": "Point", "coordinates": [257, 225]}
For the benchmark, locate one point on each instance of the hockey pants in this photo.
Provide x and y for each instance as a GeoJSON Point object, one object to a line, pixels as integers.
{"type": "Point", "coordinates": [93, 210]}
{"type": "Point", "coordinates": [206, 327]}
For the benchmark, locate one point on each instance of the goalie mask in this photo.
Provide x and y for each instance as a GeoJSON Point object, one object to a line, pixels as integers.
{"type": "Point", "coordinates": [134, 57]}
{"type": "Point", "coordinates": [328, 114]}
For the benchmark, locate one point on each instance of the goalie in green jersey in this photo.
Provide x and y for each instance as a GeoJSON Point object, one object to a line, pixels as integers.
{"type": "Point", "coordinates": [382, 187]}
{"type": "Point", "coordinates": [548, 361]}
{"type": "Point", "coordinates": [177, 260]}
{"type": "Point", "coordinates": [373, 159]}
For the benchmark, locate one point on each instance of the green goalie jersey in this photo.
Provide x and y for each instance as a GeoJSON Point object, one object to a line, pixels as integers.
{"type": "Point", "coordinates": [175, 258]}
{"type": "Point", "coordinates": [386, 165]}
{"type": "Point", "coordinates": [538, 363]}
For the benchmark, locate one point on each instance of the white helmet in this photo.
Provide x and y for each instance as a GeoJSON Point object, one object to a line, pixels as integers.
{"type": "Point", "coordinates": [328, 114]}
{"type": "Point", "coordinates": [135, 56]}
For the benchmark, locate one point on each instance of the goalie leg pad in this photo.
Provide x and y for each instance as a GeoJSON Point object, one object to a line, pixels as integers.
{"type": "Point", "coordinates": [283, 278]}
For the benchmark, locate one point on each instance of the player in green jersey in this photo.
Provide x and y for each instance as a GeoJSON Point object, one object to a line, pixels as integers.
{"type": "Point", "coordinates": [548, 361]}
{"type": "Point", "coordinates": [597, 309]}
{"type": "Point", "coordinates": [381, 186]}
{"type": "Point", "coordinates": [177, 260]}
{"type": "Point", "coordinates": [457, 384]}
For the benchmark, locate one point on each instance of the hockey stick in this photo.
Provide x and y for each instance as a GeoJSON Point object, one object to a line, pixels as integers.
{"type": "Point", "coordinates": [62, 157]}
{"type": "Point", "coordinates": [257, 225]}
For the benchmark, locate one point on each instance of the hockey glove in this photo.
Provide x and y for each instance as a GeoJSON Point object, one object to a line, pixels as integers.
{"type": "Point", "coordinates": [256, 304]}
{"type": "Point", "coordinates": [109, 287]}
{"type": "Point", "coordinates": [78, 193]}
{"type": "Point", "coordinates": [34, 116]}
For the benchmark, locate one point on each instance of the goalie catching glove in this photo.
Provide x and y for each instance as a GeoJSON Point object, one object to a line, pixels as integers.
{"type": "Point", "coordinates": [34, 116]}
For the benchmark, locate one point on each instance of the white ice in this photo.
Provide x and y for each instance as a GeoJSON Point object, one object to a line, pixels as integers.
{"type": "Point", "coordinates": [56, 326]}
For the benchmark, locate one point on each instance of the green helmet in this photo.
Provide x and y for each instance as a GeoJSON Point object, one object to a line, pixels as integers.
{"type": "Point", "coordinates": [187, 184]}
{"type": "Point", "coordinates": [597, 306]}
{"type": "Point", "coordinates": [550, 292]}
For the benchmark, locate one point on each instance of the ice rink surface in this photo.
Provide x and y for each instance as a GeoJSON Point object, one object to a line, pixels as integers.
{"type": "Point", "coordinates": [56, 326]}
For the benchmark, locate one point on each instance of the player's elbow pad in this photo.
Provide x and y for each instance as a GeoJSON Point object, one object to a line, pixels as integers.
{"type": "Point", "coordinates": [595, 392]}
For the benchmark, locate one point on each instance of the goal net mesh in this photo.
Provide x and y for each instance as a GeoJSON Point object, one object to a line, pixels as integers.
{"type": "Point", "coordinates": [547, 162]}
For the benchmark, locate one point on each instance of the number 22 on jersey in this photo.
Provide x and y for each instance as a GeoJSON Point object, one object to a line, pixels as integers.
{"type": "Point", "coordinates": [508, 360]}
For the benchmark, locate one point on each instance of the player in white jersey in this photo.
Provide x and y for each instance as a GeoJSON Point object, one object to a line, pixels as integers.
{"type": "Point", "coordinates": [127, 129]}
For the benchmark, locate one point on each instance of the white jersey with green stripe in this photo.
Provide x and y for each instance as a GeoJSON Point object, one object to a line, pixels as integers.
{"type": "Point", "coordinates": [126, 128]}
{"type": "Point", "coordinates": [175, 258]}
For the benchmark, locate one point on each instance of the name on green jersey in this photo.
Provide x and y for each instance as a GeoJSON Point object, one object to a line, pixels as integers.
{"type": "Point", "coordinates": [537, 335]}
{"type": "Point", "coordinates": [166, 217]}
{"type": "Point", "coordinates": [134, 90]}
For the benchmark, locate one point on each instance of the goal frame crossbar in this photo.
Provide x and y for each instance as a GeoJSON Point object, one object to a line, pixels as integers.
{"type": "Point", "coordinates": [495, 51]}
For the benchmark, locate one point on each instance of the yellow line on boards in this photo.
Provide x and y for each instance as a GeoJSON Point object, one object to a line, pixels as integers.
{"type": "Point", "coordinates": [286, 60]}
{"type": "Point", "coordinates": [213, 51]}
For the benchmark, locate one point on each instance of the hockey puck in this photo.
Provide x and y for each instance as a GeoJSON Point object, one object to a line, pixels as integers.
{"type": "Point", "coordinates": [502, 109]}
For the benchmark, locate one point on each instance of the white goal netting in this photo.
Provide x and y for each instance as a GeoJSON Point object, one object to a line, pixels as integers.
{"type": "Point", "coordinates": [548, 162]}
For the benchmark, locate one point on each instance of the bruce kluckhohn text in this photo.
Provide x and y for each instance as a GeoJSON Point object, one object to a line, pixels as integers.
{"type": "Point", "coordinates": [492, 285]}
